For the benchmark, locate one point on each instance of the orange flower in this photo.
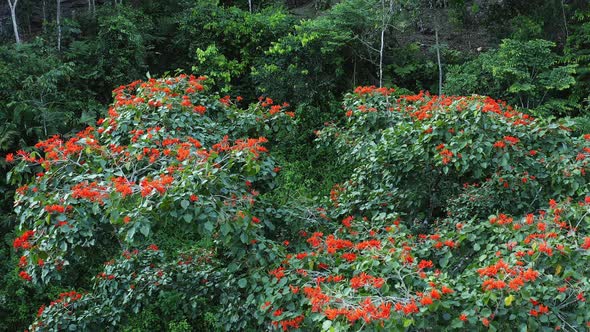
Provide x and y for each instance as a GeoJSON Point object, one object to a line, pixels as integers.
{"type": "Point", "coordinates": [426, 300]}
{"type": "Point", "coordinates": [447, 290]}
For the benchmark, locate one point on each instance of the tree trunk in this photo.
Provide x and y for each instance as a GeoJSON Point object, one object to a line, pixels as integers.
{"type": "Point", "coordinates": [564, 20]}
{"type": "Point", "coordinates": [44, 12]}
{"type": "Point", "coordinates": [58, 21]}
{"type": "Point", "coordinates": [440, 72]}
{"type": "Point", "coordinates": [250, 6]}
{"type": "Point", "coordinates": [381, 57]}
{"type": "Point", "coordinates": [13, 16]}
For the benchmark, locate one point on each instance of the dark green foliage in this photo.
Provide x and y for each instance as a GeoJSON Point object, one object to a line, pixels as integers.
{"type": "Point", "coordinates": [115, 55]}
{"type": "Point", "coordinates": [223, 43]}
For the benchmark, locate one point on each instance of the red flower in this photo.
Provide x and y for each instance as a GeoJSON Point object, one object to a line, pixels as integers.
{"type": "Point", "coordinates": [463, 317]}
{"type": "Point", "coordinates": [543, 309]}
{"type": "Point", "coordinates": [23, 240]}
{"type": "Point", "coordinates": [500, 144]}
{"type": "Point", "coordinates": [23, 261]}
{"type": "Point", "coordinates": [424, 264]}
{"type": "Point", "coordinates": [55, 209]}
{"type": "Point", "coordinates": [447, 290]}
{"type": "Point", "coordinates": [349, 256]}
{"type": "Point", "coordinates": [24, 275]}
{"type": "Point", "coordinates": [40, 311]}
{"type": "Point", "coordinates": [426, 300]}
{"type": "Point", "coordinates": [200, 109]}
{"type": "Point", "coordinates": [435, 294]}
{"type": "Point", "coordinates": [278, 272]}
{"type": "Point", "coordinates": [511, 140]}
{"type": "Point", "coordinates": [255, 220]}
{"type": "Point", "coordinates": [10, 158]}
{"type": "Point", "coordinates": [347, 221]}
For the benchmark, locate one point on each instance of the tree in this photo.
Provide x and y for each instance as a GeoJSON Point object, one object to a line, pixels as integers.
{"type": "Point", "coordinates": [577, 50]}
{"type": "Point", "coordinates": [58, 22]}
{"type": "Point", "coordinates": [13, 4]}
{"type": "Point", "coordinates": [387, 12]}
{"type": "Point", "coordinates": [188, 156]}
{"type": "Point", "coordinates": [526, 73]}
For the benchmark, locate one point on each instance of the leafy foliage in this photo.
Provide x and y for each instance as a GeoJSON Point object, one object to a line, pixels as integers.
{"type": "Point", "coordinates": [524, 73]}
{"type": "Point", "coordinates": [170, 153]}
{"type": "Point", "coordinates": [408, 212]}
{"type": "Point", "coordinates": [411, 153]}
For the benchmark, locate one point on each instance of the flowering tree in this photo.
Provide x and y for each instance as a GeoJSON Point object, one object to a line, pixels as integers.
{"type": "Point", "coordinates": [526, 272]}
{"type": "Point", "coordinates": [425, 150]}
{"type": "Point", "coordinates": [460, 213]}
{"type": "Point", "coordinates": [493, 252]}
{"type": "Point", "coordinates": [168, 156]}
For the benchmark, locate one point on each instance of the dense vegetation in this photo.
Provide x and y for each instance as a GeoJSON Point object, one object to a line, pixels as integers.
{"type": "Point", "coordinates": [288, 169]}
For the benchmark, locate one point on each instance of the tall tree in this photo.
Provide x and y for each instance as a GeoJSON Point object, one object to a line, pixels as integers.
{"type": "Point", "coordinates": [44, 13]}
{"type": "Point", "coordinates": [12, 4]}
{"type": "Point", "coordinates": [440, 71]}
{"type": "Point", "coordinates": [92, 7]}
{"type": "Point", "coordinates": [58, 21]}
{"type": "Point", "coordinates": [387, 11]}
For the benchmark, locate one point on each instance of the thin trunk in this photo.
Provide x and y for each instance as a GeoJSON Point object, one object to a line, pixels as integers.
{"type": "Point", "coordinates": [44, 6]}
{"type": "Point", "coordinates": [89, 6]}
{"type": "Point", "coordinates": [382, 44]}
{"type": "Point", "coordinates": [13, 16]}
{"type": "Point", "coordinates": [250, 6]}
{"type": "Point", "coordinates": [381, 57]}
{"type": "Point", "coordinates": [58, 25]}
{"type": "Point", "coordinates": [564, 20]}
{"type": "Point", "coordinates": [440, 72]}
{"type": "Point", "coordinates": [354, 73]}
{"type": "Point", "coordinates": [29, 30]}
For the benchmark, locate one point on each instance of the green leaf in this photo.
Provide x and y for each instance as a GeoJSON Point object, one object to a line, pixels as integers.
{"type": "Point", "coordinates": [408, 322]}
{"type": "Point", "coordinates": [145, 230]}
{"type": "Point", "coordinates": [508, 300]}
{"type": "Point", "coordinates": [242, 283]}
{"type": "Point", "coordinates": [185, 204]}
